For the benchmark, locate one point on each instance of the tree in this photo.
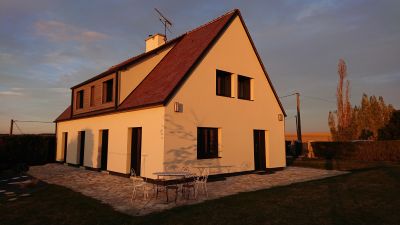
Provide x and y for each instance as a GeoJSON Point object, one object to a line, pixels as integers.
{"type": "Point", "coordinates": [372, 115]}
{"type": "Point", "coordinates": [358, 122]}
{"type": "Point", "coordinates": [340, 120]}
{"type": "Point", "coordinates": [391, 131]}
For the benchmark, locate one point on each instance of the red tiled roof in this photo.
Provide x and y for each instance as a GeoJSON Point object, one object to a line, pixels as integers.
{"type": "Point", "coordinates": [64, 115]}
{"type": "Point", "coordinates": [165, 77]}
{"type": "Point", "coordinates": [168, 75]}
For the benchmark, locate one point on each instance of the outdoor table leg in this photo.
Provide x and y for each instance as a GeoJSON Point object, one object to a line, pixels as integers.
{"type": "Point", "coordinates": [158, 184]}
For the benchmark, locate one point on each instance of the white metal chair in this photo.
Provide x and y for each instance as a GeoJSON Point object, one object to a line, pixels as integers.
{"type": "Point", "coordinates": [138, 184]}
{"type": "Point", "coordinates": [190, 183]}
{"type": "Point", "coordinates": [201, 182]}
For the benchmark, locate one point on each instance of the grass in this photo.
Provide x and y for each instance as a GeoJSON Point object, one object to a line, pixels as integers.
{"type": "Point", "coordinates": [369, 195]}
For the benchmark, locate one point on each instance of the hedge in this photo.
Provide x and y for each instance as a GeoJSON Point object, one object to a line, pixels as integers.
{"type": "Point", "coordinates": [296, 150]}
{"type": "Point", "coordinates": [358, 150]}
{"type": "Point", "coordinates": [26, 149]}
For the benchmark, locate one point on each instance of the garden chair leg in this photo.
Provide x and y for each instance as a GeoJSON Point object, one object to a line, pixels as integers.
{"type": "Point", "coordinates": [133, 196]}
{"type": "Point", "coordinates": [166, 192]}
{"type": "Point", "coordinates": [205, 189]}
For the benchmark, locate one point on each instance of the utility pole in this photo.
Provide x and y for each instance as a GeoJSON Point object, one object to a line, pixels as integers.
{"type": "Point", "coordinates": [298, 121]}
{"type": "Point", "coordinates": [11, 127]}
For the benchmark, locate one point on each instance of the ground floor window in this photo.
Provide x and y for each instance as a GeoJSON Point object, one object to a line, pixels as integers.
{"type": "Point", "coordinates": [207, 143]}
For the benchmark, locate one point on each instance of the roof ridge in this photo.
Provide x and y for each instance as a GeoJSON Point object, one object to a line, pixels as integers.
{"type": "Point", "coordinates": [213, 20]}
{"type": "Point", "coordinates": [144, 53]}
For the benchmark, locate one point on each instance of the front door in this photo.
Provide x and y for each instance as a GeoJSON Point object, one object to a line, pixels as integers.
{"type": "Point", "coordinates": [136, 149]}
{"type": "Point", "coordinates": [259, 150]}
{"type": "Point", "coordinates": [104, 149]}
{"type": "Point", "coordinates": [81, 147]}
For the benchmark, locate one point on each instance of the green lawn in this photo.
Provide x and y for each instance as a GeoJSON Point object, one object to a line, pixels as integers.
{"type": "Point", "coordinates": [365, 196]}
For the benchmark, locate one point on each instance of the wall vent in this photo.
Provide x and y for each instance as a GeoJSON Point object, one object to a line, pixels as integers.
{"type": "Point", "coordinates": [178, 107]}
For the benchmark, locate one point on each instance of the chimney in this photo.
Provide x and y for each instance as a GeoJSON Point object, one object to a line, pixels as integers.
{"type": "Point", "coordinates": [154, 41]}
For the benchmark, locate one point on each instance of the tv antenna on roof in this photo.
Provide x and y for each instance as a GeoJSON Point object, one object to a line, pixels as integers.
{"type": "Point", "coordinates": [166, 22]}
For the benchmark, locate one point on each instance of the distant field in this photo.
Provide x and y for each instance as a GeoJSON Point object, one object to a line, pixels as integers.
{"type": "Point", "coordinates": [312, 136]}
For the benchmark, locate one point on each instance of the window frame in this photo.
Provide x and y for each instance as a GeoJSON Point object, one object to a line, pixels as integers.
{"type": "Point", "coordinates": [225, 89]}
{"type": "Point", "coordinates": [80, 99]}
{"type": "Point", "coordinates": [241, 80]}
{"type": "Point", "coordinates": [108, 87]}
{"type": "Point", "coordinates": [210, 149]}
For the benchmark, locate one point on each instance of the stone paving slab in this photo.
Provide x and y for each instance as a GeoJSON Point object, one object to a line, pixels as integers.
{"type": "Point", "coordinates": [116, 191]}
{"type": "Point", "coordinates": [17, 187]}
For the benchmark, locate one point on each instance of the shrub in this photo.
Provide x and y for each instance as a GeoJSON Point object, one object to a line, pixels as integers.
{"type": "Point", "coordinates": [391, 131]}
{"type": "Point", "coordinates": [26, 149]}
{"type": "Point", "coordinates": [358, 150]}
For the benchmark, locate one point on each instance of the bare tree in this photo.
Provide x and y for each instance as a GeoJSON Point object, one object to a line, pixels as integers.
{"type": "Point", "coordinates": [340, 126]}
{"type": "Point", "coordinates": [343, 102]}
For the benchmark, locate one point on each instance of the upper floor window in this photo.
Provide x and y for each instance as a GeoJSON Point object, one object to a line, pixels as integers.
{"type": "Point", "coordinates": [92, 96]}
{"type": "Point", "coordinates": [223, 83]}
{"type": "Point", "coordinates": [108, 91]}
{"type": "Point", "coordinates": [79, 99]}
{"type": "Point", "coordinates": [207, 143]}
{"type": "Point", "coordinates": [244, 87]}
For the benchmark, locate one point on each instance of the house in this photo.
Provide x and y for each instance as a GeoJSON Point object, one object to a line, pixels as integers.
{"type": "Point", "coordinates": [203, 98]}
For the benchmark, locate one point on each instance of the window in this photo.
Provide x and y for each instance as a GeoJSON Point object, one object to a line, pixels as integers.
{"type": "Point", "coordinates": [108, 91]}
{"type": "Point", "coordinates": [207, 143]}
{"type": "Point", "coordinates": [92, 96]}
{"type": "Point", "coordinates": [223, 83]}
{"type": "Point", "coordinates": [79, 99]}
{"type": "Point", "coordinates": [244, 87]}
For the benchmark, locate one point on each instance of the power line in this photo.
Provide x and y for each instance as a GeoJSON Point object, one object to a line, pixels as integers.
{"type": "Point", "coordinates": [16, 125]}
{"type": "Point", "coordinates": [298, 121]}
{"type": "Point", "coordinates": [14, 122]}
{"type": "Point", "coordinates": [287, 95]}
{"type": "Point", "coordinates": [318, 98]}
{"type": "Point", "coordinates": [31, 121]}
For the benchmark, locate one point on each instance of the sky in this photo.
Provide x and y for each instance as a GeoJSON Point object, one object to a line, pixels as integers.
{"type": "Point", "coordinates": [48, 46]}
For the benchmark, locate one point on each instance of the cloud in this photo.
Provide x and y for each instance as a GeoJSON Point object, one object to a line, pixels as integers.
{"type": "Point", "coordinates": [11, 93]}
{"type": "Point", "coordinates": [5, 56]}
{"type": "Point", "coordinates": [58, 31]}
{"type": "Point", "coordinates": [381, 78]}
{"type": "Point", "coordinates": [60, 90]}
{"type": "Point", "coordinates": [314, 9]}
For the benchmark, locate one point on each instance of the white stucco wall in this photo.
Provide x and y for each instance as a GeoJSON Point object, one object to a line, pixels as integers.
{"type": "Point", "coordinates": [152, 122]}
{"type": "Point", "coordinates": [236, 118]}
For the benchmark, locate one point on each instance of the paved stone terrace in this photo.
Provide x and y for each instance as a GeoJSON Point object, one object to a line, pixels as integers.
{"type": "Point", "coordinates": [116, 191]}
